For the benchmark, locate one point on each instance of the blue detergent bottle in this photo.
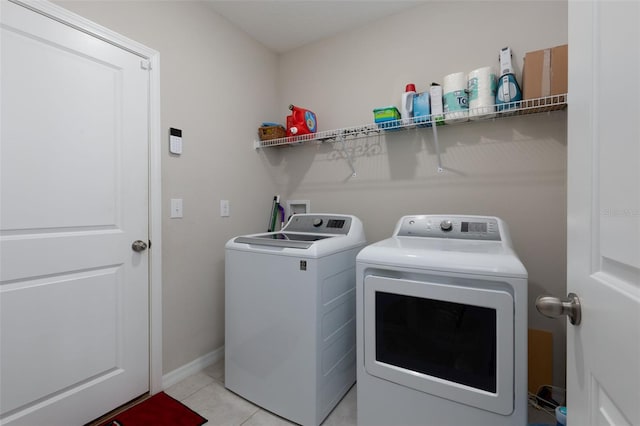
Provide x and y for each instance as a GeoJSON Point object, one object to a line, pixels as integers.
{"type": "Point", "coordinates": [508, 93]}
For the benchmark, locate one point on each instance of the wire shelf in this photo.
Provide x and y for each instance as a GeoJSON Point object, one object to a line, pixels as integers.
{"type": "Point", "coordinates": [524, 107]}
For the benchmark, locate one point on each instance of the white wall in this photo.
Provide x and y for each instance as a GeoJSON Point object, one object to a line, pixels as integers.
{"type": "Point", "coordinates": [217, 85]}
{"type": "Point", "coordinates": [514, 168]}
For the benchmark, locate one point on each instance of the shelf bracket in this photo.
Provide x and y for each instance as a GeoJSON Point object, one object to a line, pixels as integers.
{"type": "Point", "coordinates": [436, 145]}
{"type": "Point", "coordinates": [340, 138]}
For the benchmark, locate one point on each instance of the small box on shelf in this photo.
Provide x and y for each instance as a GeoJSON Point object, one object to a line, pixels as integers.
{"type": "Point", "coordinates": [545, 72]}
{"type": "Point", "coordinates": [387, 117]}
{"type": "Point", "coordinates": [266, 133]}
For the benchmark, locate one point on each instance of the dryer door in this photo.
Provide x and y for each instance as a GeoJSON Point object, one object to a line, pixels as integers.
{"type": "Point", "coordinates": [451, 341]}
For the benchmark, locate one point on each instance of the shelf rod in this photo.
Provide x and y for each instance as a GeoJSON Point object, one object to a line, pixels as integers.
{"type": "Point", "coordinates": [341, 138]}
{"type": "Point", "coordinates": [437, 146]}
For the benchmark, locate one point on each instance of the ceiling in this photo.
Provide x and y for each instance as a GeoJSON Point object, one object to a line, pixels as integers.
{"type": "Point", "coordinates": [283, 25]}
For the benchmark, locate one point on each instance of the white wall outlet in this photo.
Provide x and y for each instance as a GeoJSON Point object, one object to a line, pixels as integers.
{"type": "Point", "coordinates": [176, 208]}
{"type": "Point", "coordinates": [224, 208]}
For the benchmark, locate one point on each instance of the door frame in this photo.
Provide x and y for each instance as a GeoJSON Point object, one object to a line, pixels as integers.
{"type": "Point", "coordinates": [155, 157]}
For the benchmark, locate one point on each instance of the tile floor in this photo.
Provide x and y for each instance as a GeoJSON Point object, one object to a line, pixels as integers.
{"type": "Point", "coordinates": [204, 392]}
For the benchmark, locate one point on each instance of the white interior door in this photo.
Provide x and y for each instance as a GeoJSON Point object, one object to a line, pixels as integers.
{"type": "Point", "coordinates": [603, 359]}
{"type": "Point", "coordinates": [74, 296]}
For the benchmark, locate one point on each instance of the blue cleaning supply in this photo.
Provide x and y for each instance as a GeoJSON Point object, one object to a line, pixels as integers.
{"type": "Point", "coordinates": [561, 416]}
{"type": "Point", "coordinates": [421, 109]}
{"type": "Point", "coordinates": [508, 93]}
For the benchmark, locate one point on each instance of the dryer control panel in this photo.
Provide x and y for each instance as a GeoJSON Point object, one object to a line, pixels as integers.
{"type": "Point", "coordinates": [484, 228]}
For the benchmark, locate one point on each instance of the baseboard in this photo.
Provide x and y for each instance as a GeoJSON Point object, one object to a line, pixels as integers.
{"type": "Point", "coordinates": [192, 368]}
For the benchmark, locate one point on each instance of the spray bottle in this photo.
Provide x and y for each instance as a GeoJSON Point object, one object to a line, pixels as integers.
{"type": "Point", "coordinates": [406, 109]}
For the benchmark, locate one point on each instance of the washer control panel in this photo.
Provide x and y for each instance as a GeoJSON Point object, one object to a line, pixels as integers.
{"type": "Point", "coordinates": [319, 223]}
{"type": "Point", "coordinates": [485, 228]}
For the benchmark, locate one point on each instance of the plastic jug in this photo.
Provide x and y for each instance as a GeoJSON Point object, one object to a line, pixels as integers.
{"type": "Point", "coordinates": [406, 109]}
{"type": "Point", "coordinates": [508, 90]}
{"type": "Point", "coordinates": [301, 121]}
{"type": "Point", "coordinates": [561, 416]}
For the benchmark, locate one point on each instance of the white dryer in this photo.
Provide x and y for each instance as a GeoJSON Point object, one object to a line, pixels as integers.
{"type": "Point", "coordinates": [442, 325]}
{"type": "Point", "coordinates": [290, 315]}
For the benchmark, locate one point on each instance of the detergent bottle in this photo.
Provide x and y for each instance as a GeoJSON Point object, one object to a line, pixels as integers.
{"type": "Point", "coordinates": [406, 109]}
{"type": "Point", "coordinates": [508, 91]}
{"type": "Point", "coordinates": [301, 121]}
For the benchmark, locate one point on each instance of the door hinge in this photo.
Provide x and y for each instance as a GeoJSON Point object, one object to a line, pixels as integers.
{"type": "Point", "coordinates": [145, 65]}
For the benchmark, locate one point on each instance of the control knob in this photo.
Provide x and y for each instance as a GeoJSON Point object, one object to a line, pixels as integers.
{"type": "Point", "coordinates": [446, 225]}
{"type": "Point", "coordinates": [317, 222]}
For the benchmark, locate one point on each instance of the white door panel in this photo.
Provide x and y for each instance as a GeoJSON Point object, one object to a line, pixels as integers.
{"type": "Point", "coordinates": [85, 349]}
{"type": "Point", "coordinates": [617, 53]}
{"type": "Point", "coordinates": [603, 362]}
{"type": "Point", "coordinates": [603, 410]}
{"type": "Point", "coordinates": [74, 196]}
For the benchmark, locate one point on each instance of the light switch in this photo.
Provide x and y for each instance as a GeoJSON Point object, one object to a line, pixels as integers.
{"type": "Point", "coordinates": [224, 208]}
{"type": "Point", "coordinates": [176, 208]}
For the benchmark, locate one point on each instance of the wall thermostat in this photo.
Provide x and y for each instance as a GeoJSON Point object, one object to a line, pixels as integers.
{"type": "Point", "coordinates": [175, 141]}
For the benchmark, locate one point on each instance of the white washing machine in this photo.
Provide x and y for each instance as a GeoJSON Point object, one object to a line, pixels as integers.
{"type": "Point", "coordinates": [290, 315]}
{"type": "Point", "coordinates": [442, 325]}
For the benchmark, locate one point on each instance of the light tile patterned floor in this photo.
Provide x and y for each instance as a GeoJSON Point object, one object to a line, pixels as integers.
{"type": "Point", "coordinates": [205, 393]}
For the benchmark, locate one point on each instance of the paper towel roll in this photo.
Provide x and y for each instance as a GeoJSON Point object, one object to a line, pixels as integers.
{"type": "Point", "coordinates": [482, 85]}
{"type": "Point", "coordinates": [455, 97]}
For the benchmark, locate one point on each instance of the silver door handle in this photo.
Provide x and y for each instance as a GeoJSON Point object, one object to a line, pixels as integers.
{"type": "Point", "coordinates": [554, 307]}
{"type": "Point", "coordinates": [139, 246]}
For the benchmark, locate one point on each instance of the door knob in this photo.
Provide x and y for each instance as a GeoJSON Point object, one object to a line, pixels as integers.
{"type": "Point", "coordinates": [554, 307]}
{"type": "Point", "coordinates": [139, 246]}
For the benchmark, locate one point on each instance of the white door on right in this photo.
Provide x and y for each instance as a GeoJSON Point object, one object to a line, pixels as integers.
{"type": "Point", "coordinates": [603, 352]}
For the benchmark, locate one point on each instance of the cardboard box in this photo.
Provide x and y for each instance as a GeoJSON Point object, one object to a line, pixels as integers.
{"type": "Point", "coordinates": [387, 117]}
{"type": "Point", "coordinates": [545, 72]}
{"type": "Point", "coordinates": [540, 359]}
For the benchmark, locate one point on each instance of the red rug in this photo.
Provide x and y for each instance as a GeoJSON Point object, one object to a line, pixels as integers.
{"type": "Point", "coordinates": [159, 410]}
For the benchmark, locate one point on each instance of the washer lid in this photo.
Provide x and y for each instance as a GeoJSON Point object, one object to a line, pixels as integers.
{"type": "Point", "coordinates": [309, 235]}
{"type": "Point", "coordinates": [447, 255]}
{"type": "Point", "coordinates": [282, 239]}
